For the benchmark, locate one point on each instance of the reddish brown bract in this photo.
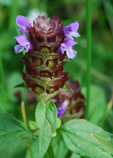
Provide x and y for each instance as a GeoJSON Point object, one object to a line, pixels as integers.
{"type": "Point", "coordinates": [75, 108]}
{"type": "Point", "coordinates": [44, 63]}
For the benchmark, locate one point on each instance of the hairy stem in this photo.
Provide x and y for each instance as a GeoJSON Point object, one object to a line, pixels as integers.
{"type": "Point", "coordinates": [89, 35]}
{"type": "Point", "coordinates": [25, 122]}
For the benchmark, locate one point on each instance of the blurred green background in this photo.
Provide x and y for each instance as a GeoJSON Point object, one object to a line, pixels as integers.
{"type": "Point", "coordinates": [102, 53]}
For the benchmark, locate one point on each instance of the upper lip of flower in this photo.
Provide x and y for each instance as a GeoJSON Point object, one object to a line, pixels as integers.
{"type": "Point", "coordinates": [23, 23]}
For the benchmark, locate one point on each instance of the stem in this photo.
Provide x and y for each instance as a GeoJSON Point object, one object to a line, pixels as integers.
{"type": "Point", "coordinates": [14, 9]}
{"type": "Point", "coordinates": [25, 122]}
{"type": "Point", "coordinates": [24, 92]}
{"type": "Point", "coordinates": [3, 98]}
{"type": "Point", "coordinates": [50, 151]}
{"type": "Point", "coordinates": [88, 31]}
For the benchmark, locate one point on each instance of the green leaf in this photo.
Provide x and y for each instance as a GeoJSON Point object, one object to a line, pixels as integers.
{"type": "Point", "coordinates": [75, 156]}
{"type": "Point", "coordinates": [107, 145]}
{"type": "Point", "coordinates": [11, 130]}
{"type": "Point", "coordinates": [59, 147]}
{"type": "Point", "coordinates": [17, 150]}
{"type": "Point", "coordinates": [46, 119]}
{"type": "Point", "coordinates": [97, 103]}
{"type": "Point", "coordinates": [77, 135]}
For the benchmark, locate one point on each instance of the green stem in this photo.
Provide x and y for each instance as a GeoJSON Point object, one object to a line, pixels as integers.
{"type": "Point", "coordinates": [24, 91]}
{"type": "Point", "coordinates": [14, 9]}
{"type": "Point", "coordinates": [89, 35]}
{"type": "Point", "coordinates": [25, 122]}
{"type": "Point", "coordinates": [3, 99]}
{"type": "Point", "coordinates": [29, 147]}
{"type": "Point", "coordinates": [2, 73]}
{"type": "Point", "coordinates": [50, 151]}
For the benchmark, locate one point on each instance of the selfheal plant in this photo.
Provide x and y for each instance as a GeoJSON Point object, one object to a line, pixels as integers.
{"type": "Point", "coordinates": [48, 46]}
{"type": "Point", "coordinates": [47, 43]}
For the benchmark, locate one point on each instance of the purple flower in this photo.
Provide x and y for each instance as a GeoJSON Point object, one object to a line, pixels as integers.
{"type": "Point", "coordinates": [71, 30]}
{"type": "Point", "coordinates": [23, 23]}
{"type": "Point", "coordinates": [67, 46]}
{"type": "Point", "coordinates": [23, 43]}
{"type": "Point", "coordinates": [61, 110]}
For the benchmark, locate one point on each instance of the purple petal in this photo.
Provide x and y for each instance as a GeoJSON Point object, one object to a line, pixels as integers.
{"type": "Point", "coordinates": [61, 110]}
{"type": "Point", "coordinates": [62, 49]}
{"type": "Point", "coordinates": [22, 40]}
{"type": "Point", "coordinates": [74, 26]}
{"type": "Point", "coordinates": [75, 34]}
{"type": "Point", "coordinates": [27, 48]}
{"type": "Point", "coordinates": [22, 22]}
{"type": "Point", "coordinates": [53, 100]}
{"type": "Point", "coordinates": [23, 31]}
{"type": "Point", "coordinates": [71, 30]}
{"type": "Point", "coordinates": [68, 43]}
{"type": "Point", "coordinates": [66, 30]}
{"type": "Point", "coordinates": [71, 53]}
{"type": "Point", "coordinates": [18, 48]}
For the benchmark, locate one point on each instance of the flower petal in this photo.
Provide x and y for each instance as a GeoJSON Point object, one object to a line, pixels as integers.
{"type": "Point", "coordinates": [22, 40]}
{"type": "Point", "coordinates": [18, 48]}
{"type": "Point", "coordinates": [74, 26]}
{"type": "Point", "coordinates": [75, 34]}
{"type": "Point", "coordinates": [62, 49]}
{"type": "Point", "coordinates": [71, 30]}
{"type": "Point", "coordinates": [61, 110]}
{"type": "Point", "coordinates": [71, 53]}
{"type": "Point", "coordinates": [22, 22]}
{"type": "Point", "coordinates": [27, 47]}
{"type": "Point", "coordinates": [68, 43]}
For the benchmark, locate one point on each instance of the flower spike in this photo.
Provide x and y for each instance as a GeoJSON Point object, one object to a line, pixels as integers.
{"type": "Point", "coordinates": [46, 46]}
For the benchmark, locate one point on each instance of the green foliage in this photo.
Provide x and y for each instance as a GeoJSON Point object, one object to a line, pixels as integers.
{"type": "Point", "coordinates": [46, 119]}
{"type": "Point", "coordinates": [97, 103]}
{"type": "Point", "coordinates": [107, 145]}
{"type": "Point", "coordinates": [75, 156]}
{"type": "Point", "coordinates": [16, 150]}
{"type": "Point", "coordinates": [11, 130]}
{"type": "Point", "coordinates": [77, 135]}
{"type": "Point", "coordinates": [59, 147]}
{"type": "Point", "coordinates": [1, 110]}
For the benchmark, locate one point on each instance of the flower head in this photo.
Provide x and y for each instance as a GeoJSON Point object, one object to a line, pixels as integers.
{"type": "Point", "coordinates": [46, 45]}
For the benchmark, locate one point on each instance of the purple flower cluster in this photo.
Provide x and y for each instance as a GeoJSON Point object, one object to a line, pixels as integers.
{"type": "Point", "coordinates": [66, 46]}
{"type": "Point", "coordinates": [22, 40]}
{"type": "Point", "coordinates": [69, 31]}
